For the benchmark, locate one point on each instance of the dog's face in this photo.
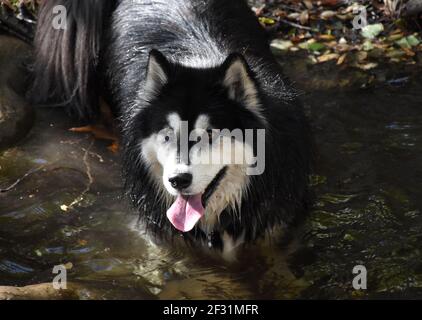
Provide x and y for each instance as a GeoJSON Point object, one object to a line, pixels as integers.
{"type": "Point", "coordinates": [193, 136]}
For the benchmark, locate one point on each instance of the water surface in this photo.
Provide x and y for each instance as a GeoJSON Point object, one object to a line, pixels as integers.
{"type": "Point", "coordinates": [69, 210]}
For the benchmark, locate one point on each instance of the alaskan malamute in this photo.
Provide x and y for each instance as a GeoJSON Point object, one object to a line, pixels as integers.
{"type": "Point", "coordinates": [216, 146]}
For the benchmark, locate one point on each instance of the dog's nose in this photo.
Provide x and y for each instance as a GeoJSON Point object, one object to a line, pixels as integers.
{"type": "Point", "coordinates": [181, 181]}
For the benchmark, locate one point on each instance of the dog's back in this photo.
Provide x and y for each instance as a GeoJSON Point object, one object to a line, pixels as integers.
{"type": "Point", "coordinates": [193, 33]}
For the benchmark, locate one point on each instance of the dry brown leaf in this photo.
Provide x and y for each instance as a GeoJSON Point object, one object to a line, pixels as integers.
{"type": "Point", "coordinates": [114, 147]}
{"type": "Point", "coordinates": [259, 11]}
{"type": "Point", "coordinates": [361, 56]}
{"type": "Point", "coordinates": [329, 3]}
{"type": "Point", "coordinates": [409, 52]}
{"type": "Point", "coordinates": [328, 14]}
{"type": "Point", "coordinates": [326, 37]}
{"type": "Point", "coordinates": [342, 58]}
{"type": "Point", "coordinates": [293, 16]}
{"type": "Point", "coordinates": [342, 47]}
{"type": "Point", "coordinates": [367, 66]}
{"type": "Point", "coordinates": [280, 13]}
{"type": "Point", "coordinates": [308, 4]}
{"type": "Point", "coordinates": [331, 44]}
{"type": "Point", "coordinates": [304, 17]}
{"type": "Point", "coordinates": [328, 57]}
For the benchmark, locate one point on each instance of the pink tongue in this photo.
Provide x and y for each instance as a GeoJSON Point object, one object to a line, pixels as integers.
{"type": "Point", "coordinates": [185, 212]}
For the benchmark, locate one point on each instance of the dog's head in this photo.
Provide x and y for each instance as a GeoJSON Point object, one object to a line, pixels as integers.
{"type": "Point", "coordinates": [196, 135]}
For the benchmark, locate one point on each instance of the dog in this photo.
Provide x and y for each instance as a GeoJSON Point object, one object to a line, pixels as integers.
{"type": "Point", "coordinates": [170, 70]}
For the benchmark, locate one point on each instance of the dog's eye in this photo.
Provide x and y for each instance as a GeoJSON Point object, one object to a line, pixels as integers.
{"type": "Point", "coordinates": [166, 136]}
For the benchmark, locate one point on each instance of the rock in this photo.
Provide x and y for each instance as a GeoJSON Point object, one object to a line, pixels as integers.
{"type": "Point", "coordinates": [16, 116]}
{"type": "Point", "coordinates": [43, 291]}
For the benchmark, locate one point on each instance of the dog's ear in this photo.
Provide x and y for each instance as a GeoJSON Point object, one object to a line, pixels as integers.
{"type": "Point", "coordinates": [240, 83]}
{"type": "Point", "coordinates": [157, 75]}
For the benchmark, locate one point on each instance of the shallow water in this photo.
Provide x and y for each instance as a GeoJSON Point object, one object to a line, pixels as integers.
{"type": "Point", "coordinates": [368, 185]}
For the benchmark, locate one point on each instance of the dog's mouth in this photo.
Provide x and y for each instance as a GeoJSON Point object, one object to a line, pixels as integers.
{"type": "Point", "coordinates": [187, 210]}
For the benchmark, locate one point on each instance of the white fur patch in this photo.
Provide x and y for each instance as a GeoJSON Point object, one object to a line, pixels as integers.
{"type": "Point", "coordinates": [156, 76]}
{"type": "Point", "coordinates": [174, 121]}
{"type": "Point", "coordinates": [203, 122]}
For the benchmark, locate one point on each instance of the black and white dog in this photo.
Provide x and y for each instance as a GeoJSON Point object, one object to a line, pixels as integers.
{"type": "Point", "coordinates": [173, 70]}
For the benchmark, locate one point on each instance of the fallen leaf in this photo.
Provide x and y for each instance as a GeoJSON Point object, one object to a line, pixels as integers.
{"type": "Point", "coordinates": [305, 45]}
{"type": "Point", "coordinates": [82, 242]}
{"type": "Point", "coordinates": [98, 131]}
{"type": "Point", "coordinates": [293, 16]}
{"type": "Point", "coordinates": [371, 31]}
{"type": "Point", "coordinates": [413, 41]}
{"type": "Point", "coordinates": [304, 17]}
{"type": "Point", "coordinates": [259, 11]}
{"type": "Point", "coordinates": [308, 4]}
{"type": "Point", "coordinates": [367, 45]}
{"type": "Point", "coordinates": [280, 13]}
{"type": "Point", "coordinates": [354, 7]}
{"type": "Point", "coordinates": [409, 52]}
{"type": "Point", "coordinates": [328, 57]}
{"type": "Point", "coordinates": [344, 17]}
{"type": "Point", "coordinates": [68, 266]}
{"type": "Point", "coordinates": [342, 58]}
{"type": "Point", "coordinates": [316, 46]}
{"type": "Point", "coordinates": [329, 3]}
{"type": "Point", "coordinates": [395, 53]}
{"type": "Point", "coordinates": [312, 60]}
{"type": "Point", "coordinates": [395, 37]}
{"type": "Point", "coordinates": [114, 147]}
{"type": "Point", "coordinates": [328, 14]}
{"type": "Point", "coordinates": [396, 31]}
{"type": "Point", "coordinates": [331, 44]}
{"type": "Point", "coordinates": [403, 43]}
{"type": "Point", "coordinates": [282, 44]}
{"type": "Point", "coordinates": [326, 37]}
{"type": "Point", "coordinates": [266, 21]}
{"type": "Point", "coordinates": [361, 56]}
{"type": "Point", "coordinates": [342, 48]}
{"type": "Point", "coordinates": [367, 66]}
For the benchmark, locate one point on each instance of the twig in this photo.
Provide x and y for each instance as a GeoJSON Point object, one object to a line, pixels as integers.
{"type": "Point", "coordinates": [80, 198]}
{"type": "Point", "coordinates": [30, 172]}
{"type": "Point", "coordinates": [292, 24]}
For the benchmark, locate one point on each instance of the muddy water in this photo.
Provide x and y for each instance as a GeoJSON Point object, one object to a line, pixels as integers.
{"type": "Point", "coordinates": [68, 209]}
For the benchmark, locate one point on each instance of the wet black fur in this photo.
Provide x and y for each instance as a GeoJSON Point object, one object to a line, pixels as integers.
{"type": "Point", "coordinates": [109, 42]}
